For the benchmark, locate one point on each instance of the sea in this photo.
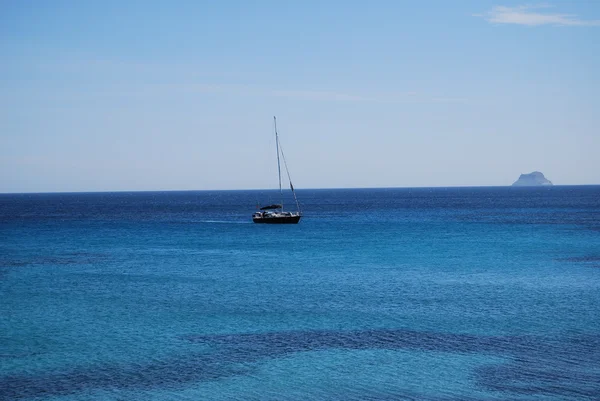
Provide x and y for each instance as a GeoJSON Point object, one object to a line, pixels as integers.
{"type": "Point", "coordinates": [488, 293]}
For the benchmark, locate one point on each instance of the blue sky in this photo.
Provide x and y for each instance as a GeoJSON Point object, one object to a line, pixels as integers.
{"type": "Point", "coordinates": [100, 96]}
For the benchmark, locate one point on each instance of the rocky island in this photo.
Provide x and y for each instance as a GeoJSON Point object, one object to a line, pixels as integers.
{"type": "Point", "coordinates": [531, 180]}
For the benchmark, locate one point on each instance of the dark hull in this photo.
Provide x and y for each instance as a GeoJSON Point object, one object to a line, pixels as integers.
{"type": "Point", "coordinates": [277, 220]}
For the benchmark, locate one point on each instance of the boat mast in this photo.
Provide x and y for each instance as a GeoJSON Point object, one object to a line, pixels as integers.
{"type": "Point", "coordinates": [278, 164]}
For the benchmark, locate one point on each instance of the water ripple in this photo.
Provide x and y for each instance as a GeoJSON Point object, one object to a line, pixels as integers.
{"type": "Point", "coordinates": [537, 366]}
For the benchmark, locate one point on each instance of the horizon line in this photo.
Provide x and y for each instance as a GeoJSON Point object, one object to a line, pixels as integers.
{"type": "Point", "coordinates": [298, 189]}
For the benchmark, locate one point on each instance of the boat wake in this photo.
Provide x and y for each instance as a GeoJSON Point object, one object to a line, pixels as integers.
{"type": "Point", "coordinates": [221, 222]}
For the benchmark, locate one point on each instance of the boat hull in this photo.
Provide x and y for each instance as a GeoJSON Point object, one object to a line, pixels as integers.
{"type": "Point", "coordinates": [277, 220]}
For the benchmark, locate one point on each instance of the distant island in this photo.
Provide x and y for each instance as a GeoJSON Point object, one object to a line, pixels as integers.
{"type": "Point", "coordinates": [532, 180]}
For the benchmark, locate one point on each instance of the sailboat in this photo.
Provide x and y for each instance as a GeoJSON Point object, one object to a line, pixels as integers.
{"type": "Point", "coordinates": [274, 214]}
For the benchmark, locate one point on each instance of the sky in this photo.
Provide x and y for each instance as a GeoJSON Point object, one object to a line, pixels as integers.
{"type": "Point", "coordinates": [163, 95]}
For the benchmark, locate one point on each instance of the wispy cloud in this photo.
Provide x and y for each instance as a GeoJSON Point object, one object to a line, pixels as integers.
{"type": "Point", "coordinates": [533, 15]}
{"type": "Point", "coordinates": [449, 100]}
{"type": "Point", "coordinates": [320, 95]}
{"type": "Point", "coordinates": [121, 79]}
{"type": "Point", "coordinates": [297, 94]}
{"type": "Point", "coordinates": [312, 95]}
{"type": "Point", "coordinates": [254, 90]}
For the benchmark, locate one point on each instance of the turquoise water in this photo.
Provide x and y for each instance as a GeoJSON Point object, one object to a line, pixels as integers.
{"type": "Point", "coordinates": [462, 293]}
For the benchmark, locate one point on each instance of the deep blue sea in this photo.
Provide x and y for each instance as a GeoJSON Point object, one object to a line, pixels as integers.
{"type": "Point", "coordinates": [378, 294]}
